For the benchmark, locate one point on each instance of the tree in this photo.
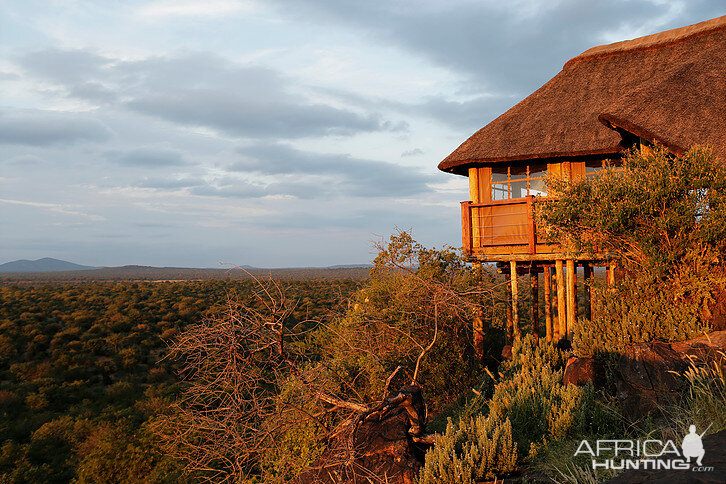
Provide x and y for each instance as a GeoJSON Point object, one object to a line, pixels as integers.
{"type": "Point", "coordinates": [657, 213]}
{"type": "Point", "coordinates": [663, 218]}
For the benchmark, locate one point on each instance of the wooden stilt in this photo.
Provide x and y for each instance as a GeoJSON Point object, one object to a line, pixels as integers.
{"type": "Point", "coordinates": [571, 298]}
{"type": "Point", "coordinates": [478, 323]}
{"type": "Point", "coordinates": [561, 305]}
{"type": "Point", "coordinates": [586, 287]}
{"type": "Point", "coordinates": [534, 285]}
{"type": "Point", "coordinates": [611, 273]}
{"type": "Point", "coordinates": [515, 299]}
{"type": "Point", "coordinates": [510, 318]}
{"type": "Point", "coordinates": [548, 302]}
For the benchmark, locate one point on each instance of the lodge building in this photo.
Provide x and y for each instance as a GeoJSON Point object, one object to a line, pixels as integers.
{"type": "Point", "coordinates": [668, 88]}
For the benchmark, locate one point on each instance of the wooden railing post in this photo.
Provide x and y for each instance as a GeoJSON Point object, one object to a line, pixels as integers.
{"type": "Point", "coordinates": [530, 225]}
{"type": "Point", "coordinates": [466, 227]}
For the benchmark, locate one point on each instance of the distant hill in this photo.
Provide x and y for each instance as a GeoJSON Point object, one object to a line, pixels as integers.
{"type": "Point", "coordinates": [47, 264]}
{"type": "Point", "coordinates": [158, 274]}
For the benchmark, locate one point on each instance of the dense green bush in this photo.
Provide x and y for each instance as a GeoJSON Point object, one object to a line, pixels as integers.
{"type": "Point", "coordinates": [476, 448]}
{"type": "Point", "coordinates": [82, 372]}
{"type": "Point", "coordinates": [529, 405]}
{"type": "Point", "coordinates": [660, 211]}
{"type": "Point", "coordinates": [639, 309]}
{"type": "Point", "coordinates": [663, 217]}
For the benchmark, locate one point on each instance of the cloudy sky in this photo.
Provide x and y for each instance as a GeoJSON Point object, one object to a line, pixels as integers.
{"type": "Point", "coordinates": [265, 132]}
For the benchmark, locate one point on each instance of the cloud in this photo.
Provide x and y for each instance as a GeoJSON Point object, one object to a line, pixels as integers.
{"type": "Point", "coordinates": [502, 47]}
{"type": "Point", "coordinates": [24, 160]}
{"type": "Point", "coordinates": [64, 66]}
{"type": "Point", "coordinates": [170, 183]}
{"type": "Point", "coordinates": [231, 189]}
{"type": "Point", "coordinates": [203, 90]}
{"type": "Point", "coordinates": [350, 176]}
{"type": "Point", "coordinates": [64, 209]}
{"type": "Point", "coordinates": [42, 128]}
{"type": "Point", "coordinates": [161, 10]}
{"type": "Point", "coordinates": [147, 157]}
{"type": "Point", "coordinates": [413, 152]}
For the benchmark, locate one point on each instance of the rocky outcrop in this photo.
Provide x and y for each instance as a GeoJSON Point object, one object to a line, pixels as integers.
{"type": "Point", "coordinates": [649, 372]}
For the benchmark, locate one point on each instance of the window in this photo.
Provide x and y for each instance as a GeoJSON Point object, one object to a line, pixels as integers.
{"type": "Point", "coordinates": [518, 181]}
{"type": "Point", "coordinates": [593, 168]}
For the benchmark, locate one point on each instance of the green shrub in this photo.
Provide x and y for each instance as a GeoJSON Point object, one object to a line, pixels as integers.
{"type": "Point", "coordinates": [640, 309]}
{"type": "Point", "coordinates": [475, 449]}
{"type": "Point", "coordinates": [533, 398]}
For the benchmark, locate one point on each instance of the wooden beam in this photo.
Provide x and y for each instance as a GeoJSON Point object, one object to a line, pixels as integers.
{"type": "Point", "coordinates": [548, 302]}
{"type": "Point", "coordinates": [534, 286]}
{"type": "Point", "coordinates": [466, 227]}
{"type": "Point", "coordinates": [475, 213]}
{"type": "Point", "coordinates": [515, 299]}
{"type": "Point", "coordinates": [571, 297]}
{"type": "Point", "coordinates": [611, 273]}
{"type": "Point", "coordinates": [530, 225]}
{"type": "Point", "coordinates": [561, 305]}
{"type": "Point", "coordinates": [520, 254]}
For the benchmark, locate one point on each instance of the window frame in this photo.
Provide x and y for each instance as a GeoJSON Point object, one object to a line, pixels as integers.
{"type": "Point", "coordinates": [509, 181]}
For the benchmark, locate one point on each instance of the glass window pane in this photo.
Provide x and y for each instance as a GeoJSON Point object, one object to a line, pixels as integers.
{"type": "Point", "coordinates": [499, 191]}
{"type": "Point", "coordinates": [518, 189]}
{"type": "Point", "coordinates": [537, 171]}
{"type": "Point", "coordinates": [538, 187]}
{"type": "Point", "coordinates": [613, 164]}
{"type": "Point", "coordinates": [499, 174]}
{"type": "Point", "coordinates": [593, 166]}
{"type": "Point", "coordinates": [517, 172]}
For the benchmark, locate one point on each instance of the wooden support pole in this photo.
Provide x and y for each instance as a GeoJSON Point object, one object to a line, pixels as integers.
{"type": "Point", "coordinates": [515, 299]}
{"type": "Point", "coordinates": [611, 273]}
{"type": "Point", "coordinates": [475, 213]}
{"type": "Point", "coordinates": [561, 305]}
{"type": "Point", "coordinates": [571, 298]}
{"type": "Point", "coordinates": [478, 323]}
{"type": "Point", "coordinates": [548, 302]}
{"type": "Point", "coordinates": [586, 287]}
{"type": "Point", "coordinates": [510, 318]}
{"type": "Point", "coordinates": [534, 286]}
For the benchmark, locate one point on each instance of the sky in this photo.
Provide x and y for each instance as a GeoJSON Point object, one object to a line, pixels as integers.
{"type": "Point", "coordinates": [269, 133]}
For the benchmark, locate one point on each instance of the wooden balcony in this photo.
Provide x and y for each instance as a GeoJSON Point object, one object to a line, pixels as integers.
{"type": "Point", "coordinates": [503, 230]}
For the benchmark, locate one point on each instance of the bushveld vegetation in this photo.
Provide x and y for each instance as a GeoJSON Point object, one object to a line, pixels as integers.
{"type": "Point", "coordinates": [82, 372]}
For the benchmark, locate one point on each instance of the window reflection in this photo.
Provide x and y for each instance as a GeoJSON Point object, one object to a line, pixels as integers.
{"type": "Point", "coordinates": [518, 181]}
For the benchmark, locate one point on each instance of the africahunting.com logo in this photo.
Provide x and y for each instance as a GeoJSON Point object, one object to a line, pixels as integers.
{"type": "Point", "coordinates": [649, 454]}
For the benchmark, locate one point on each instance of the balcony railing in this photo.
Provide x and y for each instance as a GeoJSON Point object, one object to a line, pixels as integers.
{"type": "Point", "coordinates": [504, 224]}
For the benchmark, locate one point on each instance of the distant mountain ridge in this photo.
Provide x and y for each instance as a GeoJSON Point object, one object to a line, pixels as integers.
{"type": "Point", "coordinates": [46, 264]}
{"type": "Point", "coordinates": [54, 269]}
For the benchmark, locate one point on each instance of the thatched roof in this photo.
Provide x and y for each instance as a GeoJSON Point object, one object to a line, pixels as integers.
{"type": "Point", "coordinates": [668, 87]}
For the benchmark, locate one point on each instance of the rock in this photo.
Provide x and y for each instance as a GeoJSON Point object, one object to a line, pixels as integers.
{"type": "Point", "coordinates": [715, 457]}
{"type": "Point", "coordinates": [651, 372]}
{"type": "Point", "coordinates": [653, 366]}
{"type": "Point", "coordinates": [716, 315]}
{"type": "Point", "coordinates": [579, 371]}
{"type": "Point", "coordinates": [507, 352]}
